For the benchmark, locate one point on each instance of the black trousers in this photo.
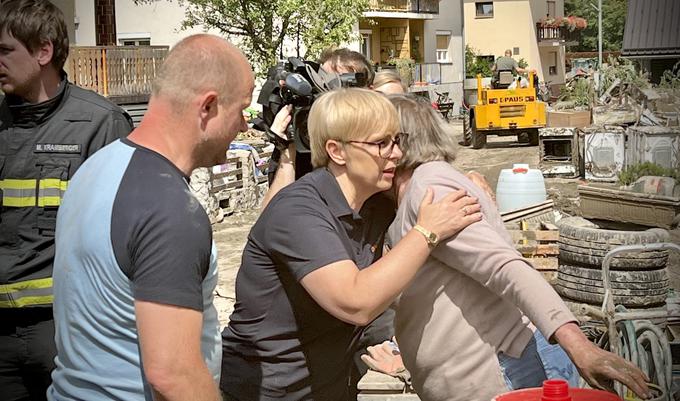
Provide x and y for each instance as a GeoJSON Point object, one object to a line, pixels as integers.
{"type": "Point", "coordinates": [27, 352]}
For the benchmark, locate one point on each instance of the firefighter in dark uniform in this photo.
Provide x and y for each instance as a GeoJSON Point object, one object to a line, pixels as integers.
{"type": "Point", "coordinates": [48, 127]}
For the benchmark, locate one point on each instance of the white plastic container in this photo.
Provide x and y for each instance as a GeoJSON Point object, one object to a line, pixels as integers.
{"type": "Point", "coordinates": [519, 187]}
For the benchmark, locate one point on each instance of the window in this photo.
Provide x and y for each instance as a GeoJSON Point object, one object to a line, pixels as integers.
{"type": "Point", "coordinates": [552, 68]}
{"type": "Point", "coordinates": [134, 39]}
{"type": "Point", "coordinates": [366, 44]}
{"type": "Point", "coordinates": [484, 9]}
{"type": "Point", "coordinates": [133, 42]}
{"type": "Point", "coordinates": [515, 51]}
{"type": "Point", "coordinates": [443, 41]}
{"type": "Point", "coordinates": [551, 8]}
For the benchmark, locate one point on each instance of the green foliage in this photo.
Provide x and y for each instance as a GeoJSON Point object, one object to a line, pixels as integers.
{"type": "Point", "coordinates": [623, 69]}
{"type": "Point", "coordinates": [405, 67]}
{"type": "Point", "coordinates": [326, 23]}
{"type": "Point", "coordinates": [522, 63]}
{"type": "Point", "coordinates": [671, 78]}
{"type": "Point", "coordinates": [613, 21]}
{"type": "Point", "coordinates": [250, 113]}
{"type": "Point", "coordinates": [260, 27]}
{"type": "Point", "coordinates": [630, 174]}
{"type": "Point", "coordinates": [581, 92]}
{"type": "Point", "coordinates": [475, 65]}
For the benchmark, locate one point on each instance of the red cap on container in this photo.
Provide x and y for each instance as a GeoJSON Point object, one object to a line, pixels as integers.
{"type": "Point", "coordinates": [555, 390]}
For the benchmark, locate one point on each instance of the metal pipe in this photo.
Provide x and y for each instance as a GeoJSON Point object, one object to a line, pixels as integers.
{"type": "Point", "coordinates": [599, 34]}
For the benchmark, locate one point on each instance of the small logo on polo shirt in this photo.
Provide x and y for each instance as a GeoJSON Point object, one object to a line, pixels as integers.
{"type": "Point", "coordinates": [57, 148]}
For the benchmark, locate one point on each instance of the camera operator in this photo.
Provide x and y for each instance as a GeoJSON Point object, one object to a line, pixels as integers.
{"type": "Point", "coordinates": [289, 165]}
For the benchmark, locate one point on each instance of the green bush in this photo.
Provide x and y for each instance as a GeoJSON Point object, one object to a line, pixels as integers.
{"type": "Point", "coordinates": [630, 174]}
{"type": "Point", "coordinates": [580, 91]}
{"type": "Point", "coordinates": [405, 67]}
{"type": "Point", "coordinates": [475, 65]}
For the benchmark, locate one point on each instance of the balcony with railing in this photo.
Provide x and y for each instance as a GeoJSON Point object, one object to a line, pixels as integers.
{"type": "Point", "coordinates": [405, 6]}
{"type": "Point", "coordinates": [562, 34]}
{"type": "Point", "coordinates": [122, 73]}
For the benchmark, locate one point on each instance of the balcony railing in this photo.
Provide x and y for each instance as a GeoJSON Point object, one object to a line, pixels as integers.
{"type": "Point", "coordinates": [562, 33]}
{"type": "Point", "coordinates": [116, 71]}
{"type": "Point", "coordinates": [405, 6]}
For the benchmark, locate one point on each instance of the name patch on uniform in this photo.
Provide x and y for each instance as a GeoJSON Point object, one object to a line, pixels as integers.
{"type": "Point", "coordinates": [57, 148]}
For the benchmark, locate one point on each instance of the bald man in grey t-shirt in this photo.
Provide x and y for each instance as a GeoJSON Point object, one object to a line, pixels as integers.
{"type": "Point", "coordinates": [506, 63]}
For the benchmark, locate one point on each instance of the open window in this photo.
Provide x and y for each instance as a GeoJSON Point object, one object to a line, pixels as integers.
{"type": "Point", "coordinates": [484, 9]}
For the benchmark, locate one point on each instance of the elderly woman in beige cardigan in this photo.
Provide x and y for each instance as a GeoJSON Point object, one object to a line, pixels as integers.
{"type": "Point", "coordinates": [474, 321]}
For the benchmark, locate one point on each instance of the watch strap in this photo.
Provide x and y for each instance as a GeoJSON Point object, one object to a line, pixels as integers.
{"type": "Point", "coordinates": [429, 236]}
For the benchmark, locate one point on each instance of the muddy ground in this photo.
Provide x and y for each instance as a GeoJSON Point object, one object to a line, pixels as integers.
{"type": "Point", "coordinates": [500, 152]}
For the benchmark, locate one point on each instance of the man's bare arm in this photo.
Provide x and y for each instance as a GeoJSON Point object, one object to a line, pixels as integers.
{"type": "Point", "coordinates": [170, 342]}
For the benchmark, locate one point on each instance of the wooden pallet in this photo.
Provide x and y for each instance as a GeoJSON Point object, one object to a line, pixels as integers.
{"type": "Point", "coordinates": [538, 244]}
{"type": "Point", "coordinates": [236, 184]}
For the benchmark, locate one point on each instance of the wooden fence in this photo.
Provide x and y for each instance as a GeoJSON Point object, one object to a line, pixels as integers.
{"type": "Point", "coordinates": [115, 71]}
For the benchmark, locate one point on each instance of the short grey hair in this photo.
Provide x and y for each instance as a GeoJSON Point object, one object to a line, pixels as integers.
{"type": "Point", "coordinates": [196, 64]}
{"type": "Point", "coordinates": [428, 137]}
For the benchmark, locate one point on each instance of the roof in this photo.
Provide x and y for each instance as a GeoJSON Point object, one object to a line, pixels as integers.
{"type": "Point", "coordinates": [652, 28]}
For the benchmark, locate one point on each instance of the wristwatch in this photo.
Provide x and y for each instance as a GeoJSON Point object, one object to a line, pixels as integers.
{"type": "Point", "coordinates": [430, 237]}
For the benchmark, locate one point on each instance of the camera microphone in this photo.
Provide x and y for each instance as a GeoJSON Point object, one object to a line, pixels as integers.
{"type": "Point", "coordinates": [298, 84]}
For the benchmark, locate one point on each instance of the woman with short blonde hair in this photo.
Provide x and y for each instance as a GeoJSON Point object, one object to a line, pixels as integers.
{"type": "Point", "coordinates": [388, 82]}
{"type": "Point", "coordinates": [347, 114]}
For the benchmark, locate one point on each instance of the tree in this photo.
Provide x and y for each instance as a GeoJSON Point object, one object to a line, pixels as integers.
{"type": "Point", "coordinates": [261, 26]}
{"type": "Point", "coordinates": [613, 22]}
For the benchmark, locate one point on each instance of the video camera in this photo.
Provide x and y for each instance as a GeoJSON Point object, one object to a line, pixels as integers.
{"type": "Point", "coordinates": [305, 81]}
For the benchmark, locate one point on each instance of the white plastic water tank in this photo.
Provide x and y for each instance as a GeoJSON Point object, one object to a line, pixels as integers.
{"type": "Point", "coordinates": [519, 187]}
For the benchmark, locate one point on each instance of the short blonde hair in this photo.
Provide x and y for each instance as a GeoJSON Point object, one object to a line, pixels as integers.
{"type": "Point", "coordinates": [384, 77]}
{"type": "Point", "coordinates": [429, 137]}
{"type": "Point", "coordinates": [348, 114]}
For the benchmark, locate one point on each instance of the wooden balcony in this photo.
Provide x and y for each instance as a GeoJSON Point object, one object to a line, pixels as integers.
{"type": "Point", "coordinates": [405, 6]}
{"type": "Point", "coordinates": [557, 34]}
{"type": "Point", "coordinates": [122, 73]}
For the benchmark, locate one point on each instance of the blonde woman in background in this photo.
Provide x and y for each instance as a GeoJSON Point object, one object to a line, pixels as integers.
{"type": "Point", "coordinates": [388, 82]}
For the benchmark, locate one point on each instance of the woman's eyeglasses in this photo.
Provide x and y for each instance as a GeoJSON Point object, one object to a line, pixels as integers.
{"type": "Point", "coordinates": [386, 146]}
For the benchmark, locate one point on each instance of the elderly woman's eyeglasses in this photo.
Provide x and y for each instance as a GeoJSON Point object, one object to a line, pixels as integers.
{"type": "Point", "coordinates": [386, 146]}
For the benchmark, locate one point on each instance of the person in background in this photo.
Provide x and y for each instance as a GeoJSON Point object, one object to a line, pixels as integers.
{"type": "Point", "coordinates": [388, 82]}
{"type": "Point", "coordinates": [478, 320]}
{"type": "Point", "coordinates": [136, 266]}
{"type": "Point", "coordinates": [311, 275]}
{"type": "Point", "coordinates": [507, 63]}
{"type": "Point", "coordinates": [48, 128]}
{"type": "Point", "coordinates": [290, 164]}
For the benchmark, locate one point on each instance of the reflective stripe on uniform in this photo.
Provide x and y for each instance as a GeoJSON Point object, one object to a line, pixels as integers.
{"type": "Point", "coordinates": [26, 293]}
{"type": "Point", "coordinates": [51, 191]}
{"type": "Point", "coordinates": [21, 193]}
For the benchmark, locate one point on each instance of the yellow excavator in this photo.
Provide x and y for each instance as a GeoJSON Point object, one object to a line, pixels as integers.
{"type": "Point", "coordinates": [504, 109]}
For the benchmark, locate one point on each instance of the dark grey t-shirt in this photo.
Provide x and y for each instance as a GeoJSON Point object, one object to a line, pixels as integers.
{"type": "Point", "coordinates": [160, 234]}
{"type": "Point", "coordinates": [280, 344]}
{"type": "Point", "coordinates": [506, 63]}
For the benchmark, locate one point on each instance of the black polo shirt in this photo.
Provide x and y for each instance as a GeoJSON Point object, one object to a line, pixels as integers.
{"type": "Point", "coordinates": [280, 344]}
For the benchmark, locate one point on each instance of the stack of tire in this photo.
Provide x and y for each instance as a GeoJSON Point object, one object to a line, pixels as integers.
{"type": "Point", "coordinates": [639, 280]}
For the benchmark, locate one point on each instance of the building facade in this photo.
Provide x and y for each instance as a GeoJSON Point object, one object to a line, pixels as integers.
{"type": "Point", "coordinates": [491, 27]}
